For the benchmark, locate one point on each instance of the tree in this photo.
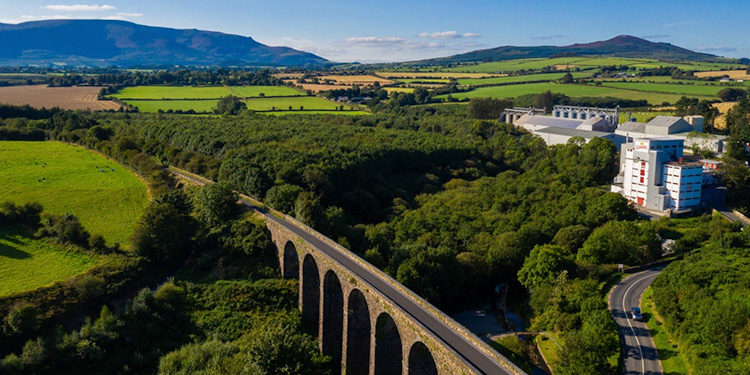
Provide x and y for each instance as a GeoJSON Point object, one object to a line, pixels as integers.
{"type": "Point", "coordinates": [165, 229]}
{"type": "Point", "coordinates": [283, 197]}
{"type": "Point", "coordinates": [488, 108]}
{"type": "Point", "coordinates": [307, 209]}
{"type": "Point", "coordinates": [544, 264]}
{"type": "Point", "coordinates": [230, 105]}
{"type": "Point", "coordinates": [572, 237]}
{"type": "Point", "coordinates": [567, 78]}
{"type": "Point", "coordinates": [731, 94]}
{"type": "Point", "coordinates": [621, 242]}
{"type": "Point", "coordinates": [215, 203]}
{"type": "Point", "coordinates": [544, 100]}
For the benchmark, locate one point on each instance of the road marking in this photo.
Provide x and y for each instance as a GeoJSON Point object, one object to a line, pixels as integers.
{"type": "Point", "coordinates": [624, 296]}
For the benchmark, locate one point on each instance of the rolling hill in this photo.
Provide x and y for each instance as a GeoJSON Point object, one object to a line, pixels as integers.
{"type": "Point", "coordinates": [620, 46]}
{"type": "Point", "coordinates": [126, 44]}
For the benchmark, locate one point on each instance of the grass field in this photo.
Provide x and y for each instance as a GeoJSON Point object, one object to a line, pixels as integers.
{"type": "Point", "coordinates": [208, 92]}
{"type": "Point", "coordinates": [28, 263]}
{"type": "Point", "coordinates": [153, 106]}
{"type": "Point", "coordinates": [643, 116]}
{"type": "Point", "coordinates": [398, 89]}
{"type": "Point", "coordinates": [512, 91]}
{"type": "Point", "coordinates": [41, 96]}
{"type": "Point", "coordinates": [106, 197]}
{"type": "Point", "coordinates": [579, 62]}
{"type": "Point", "coordinates": [308, 102]}
{"type": "Point", "coordinates": [336, 113]}
{"type": "Point", "coordinates": [670, 88]}
{"type": "Point", "coordinates": [522, 78]}
{"type": "Point", "coordinates": [360, 79]}
{"type": "Point", "coordinates": [671, 360]}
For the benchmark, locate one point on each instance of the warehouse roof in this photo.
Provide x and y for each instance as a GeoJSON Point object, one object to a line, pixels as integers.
{"type": "Point", "coordinates": [587, 134]}
{"type": "Point", "coordinates": [548, 121]}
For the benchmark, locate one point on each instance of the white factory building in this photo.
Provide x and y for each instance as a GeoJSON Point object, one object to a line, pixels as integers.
{"type": "Point", "coordinates": [567, 122]}
{"type": "Point", "coordinates": [688, 128]}
{"type": "Point", "coordinates": [654, 175]}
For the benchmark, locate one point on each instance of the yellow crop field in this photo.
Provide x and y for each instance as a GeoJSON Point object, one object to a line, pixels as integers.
{"type": "Point", "coordinates": [733, 74]}
{"type": "Point", "coordinates": [721, 121]}
{"type": "Point", "coordinates": [455, 75]}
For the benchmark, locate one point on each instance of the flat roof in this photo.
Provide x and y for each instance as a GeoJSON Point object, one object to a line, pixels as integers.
{"type": "Point", "coordinates": [557, 122]}
{"type": "Point", "coordinates": [574, 132]}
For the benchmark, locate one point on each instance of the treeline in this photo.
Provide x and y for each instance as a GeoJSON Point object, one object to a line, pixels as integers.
{"type": "Point", "coordinates": [704, 301]}
{"type": "Point", "coordinates": [735, 172]}
{"type": "Point", "coordinates": [186, 77]}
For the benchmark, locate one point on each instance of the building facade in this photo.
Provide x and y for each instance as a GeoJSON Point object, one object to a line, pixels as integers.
{"type": "Point", "coordinates": [654, 175]}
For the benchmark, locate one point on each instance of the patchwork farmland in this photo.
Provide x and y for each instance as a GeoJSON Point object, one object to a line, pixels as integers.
{"type": "Point", "coordinates": [152, 99]}
{"type": "Point", "coordinates": [41, 96]}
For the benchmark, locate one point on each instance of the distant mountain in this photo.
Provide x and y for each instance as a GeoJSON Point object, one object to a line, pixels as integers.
{"type": "Point", "coordinates": [620, 46]}
{"type": "Point", "coordinates": [126, 44]}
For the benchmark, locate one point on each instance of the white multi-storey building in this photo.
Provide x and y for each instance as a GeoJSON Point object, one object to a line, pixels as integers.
{"type": "Point", "coordinates": [654, 175]}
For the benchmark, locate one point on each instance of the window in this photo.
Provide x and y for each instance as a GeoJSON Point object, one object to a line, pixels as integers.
{"type": "Point", "coordinates": [643, 172]}
{"type": "Point", "coordinates": [641, 179]}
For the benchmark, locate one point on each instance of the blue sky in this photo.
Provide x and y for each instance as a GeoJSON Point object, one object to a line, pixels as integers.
{"type": "Point", "coordinates": [386, 30]}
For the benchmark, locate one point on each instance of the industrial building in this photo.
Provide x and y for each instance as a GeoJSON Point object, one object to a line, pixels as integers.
{"type": "Point", "coordinates": [655, 175]}
{"type": "Point", "coordinates": [688, 128]}
{"type": "Point", "coordinates": [570, 121]}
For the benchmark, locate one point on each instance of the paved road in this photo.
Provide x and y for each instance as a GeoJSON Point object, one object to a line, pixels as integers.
{"type": "Point", "coordinates": [715, 197]}
{"type": "Point", "coordinates": [639, 352]}
{"type": "Point", "coordinates": [472, 354]}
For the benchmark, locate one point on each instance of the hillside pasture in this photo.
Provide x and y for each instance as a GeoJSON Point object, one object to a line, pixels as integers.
{"type": "Point", "coordinates": [513, 91]}
{"type": "Point", "coordinates": [106, 197]}
{"type": "Point", "coordinates": [27, 263]}
{"type": "Point", "coordinates": [519, 78]}
{"type": "Point", "coordinates": [41, 96]}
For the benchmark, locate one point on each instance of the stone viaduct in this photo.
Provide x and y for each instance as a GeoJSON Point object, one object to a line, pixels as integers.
{"type": "Point", "coordinates": [365, 319]}
{"type": "Point", "coordinates": [360, 326]}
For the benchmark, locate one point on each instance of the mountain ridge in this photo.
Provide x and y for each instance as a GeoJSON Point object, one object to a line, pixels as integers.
{"type": "Point", "coordinates": [619, 46]}
{"type": "Point", "coordinates": [124, 43]}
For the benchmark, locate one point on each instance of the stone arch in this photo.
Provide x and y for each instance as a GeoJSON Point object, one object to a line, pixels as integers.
{"type": "Point", "coordinates": [291, 261]}
{"type": "Point", "coordinates": [421, 361]}
{"type": "Point", "coordinates": [357, 335]}
{"type": "Point", "coordinates": [333, 317]}
{"type": "Point", "coordinates": [310, 294]}
{"type": "Point", "coordinates": [388, 350]}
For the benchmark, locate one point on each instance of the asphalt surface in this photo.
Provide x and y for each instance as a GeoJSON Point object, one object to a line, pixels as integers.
{"type": "Point", "coordinates": [470, 353]}
{"type": "Point", "coordinates": [715, 197]}
{"type": "Point", "coordinates": [639, 355]}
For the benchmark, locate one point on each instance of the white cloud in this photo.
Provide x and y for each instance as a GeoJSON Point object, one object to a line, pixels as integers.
{"type": "Point", "coordinates": [27, 18]}
{"type": "Point", "coordinates": [375, 40]}
{"type": "Point", "coordinates": [79, 8]}
{"type": "Point", "coordinates": [447, 35]}
{"type": "Point", "coordinates": [123, 16]}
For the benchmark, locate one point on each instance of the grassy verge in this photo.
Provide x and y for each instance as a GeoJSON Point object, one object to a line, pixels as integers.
{"type": "Point", "coordinates": [672, 361]}
{"type": "Point", "coordinates": [548, 345]}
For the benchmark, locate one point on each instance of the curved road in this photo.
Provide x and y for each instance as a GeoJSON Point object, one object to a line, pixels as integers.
{"type": "Point", "coordinates": [481, 362]}
{"type": "Point", "coordinates": [639, 355]}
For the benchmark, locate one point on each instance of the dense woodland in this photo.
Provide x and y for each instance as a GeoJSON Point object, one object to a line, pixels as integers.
{"type": "Point", "coordinates": [704, 301]}
{"type": "Point", "coordinates": [446, 202]}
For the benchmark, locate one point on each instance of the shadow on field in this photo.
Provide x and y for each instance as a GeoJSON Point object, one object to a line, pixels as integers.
{"type": "Point", "coordinates": [12, 252]}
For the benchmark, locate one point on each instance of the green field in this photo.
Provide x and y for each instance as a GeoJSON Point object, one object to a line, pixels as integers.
{"type": "Point", "coordinates": [27, 263]}
{"type": "Point", "coordinates": [513, 91]}
{"type": "Point", "coordinates": [424, 80]}
{"type": "Point", "coordinates": [106, 197]}
{"type": "Point", "coordinates": [579, 62]}
{"type": "Point", "coordinates": [346, 112]}
{"type": "Point", "coordinates": [671, 88]}
{"type": "Point", "coordinates": [153, 106]}
{"type": "Point", "coordinates": [307, 102]}
{"type": "Point", "coordinates": [208, 92]}
{"type": "Point", "coordinates": [522, 78]}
